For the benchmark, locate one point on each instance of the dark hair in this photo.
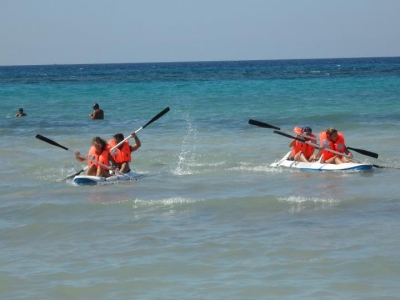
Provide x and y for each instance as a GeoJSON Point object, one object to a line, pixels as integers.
{"type": "Point", "coordinates": [118, 137]}
{"type": "Point", "coordinates": [96, 105]}
{"type": "Point", "coordinates": [20, 109]}
{"type": "Point", "coordinates": [307, 129]}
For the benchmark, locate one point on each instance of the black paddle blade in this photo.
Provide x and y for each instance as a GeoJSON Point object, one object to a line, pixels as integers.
{"type": "Point", "coordinates": [49, 141]}
{"type": "Point", "coordinates": [73, 175]}
{"type": "Point", "coordinates": [364, 152]}
{"type": "Point", "coordinates": [384, 167]}
{"type": "Point", "coordinates": [262, 124]}
{"type": "Point", "coordinates": [159, 115]}
{"type": "Point", "coordinates": [379, 167]}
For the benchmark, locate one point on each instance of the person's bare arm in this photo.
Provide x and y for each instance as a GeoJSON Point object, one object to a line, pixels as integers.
{"type": "Point", "coordinates": [137, 142]}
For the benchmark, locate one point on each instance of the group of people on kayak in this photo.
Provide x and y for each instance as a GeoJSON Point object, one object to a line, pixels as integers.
{"type": "Point", "coordinates": [112, 155]}
{"type": "Point", "coordinates": [331, 149]}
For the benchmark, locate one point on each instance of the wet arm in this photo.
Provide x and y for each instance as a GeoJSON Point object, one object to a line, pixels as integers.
{"type": "Point", "coordinates": [78, 157]}
{"type": "Point", "coordinates": [347, 152]}
{"type": "Point", "coordinates": [137, 142]}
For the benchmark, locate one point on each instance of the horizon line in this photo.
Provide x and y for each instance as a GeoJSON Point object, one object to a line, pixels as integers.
{"type": "Point", "coordinates": [199, 61]}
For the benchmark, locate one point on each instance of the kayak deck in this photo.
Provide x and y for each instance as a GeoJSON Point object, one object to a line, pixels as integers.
{"type": "Point", "coordinates": [94, 180]}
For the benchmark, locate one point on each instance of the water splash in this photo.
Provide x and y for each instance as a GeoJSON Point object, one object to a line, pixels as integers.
{"type": "Point", "coordinates": [188, 148]}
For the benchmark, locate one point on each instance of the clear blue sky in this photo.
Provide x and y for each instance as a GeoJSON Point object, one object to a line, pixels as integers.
{"type": "Point", "coordinates": [36, 32]}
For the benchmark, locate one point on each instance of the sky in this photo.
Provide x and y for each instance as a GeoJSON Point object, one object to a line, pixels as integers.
{"type": "Point", "coordinates": [42, 32]}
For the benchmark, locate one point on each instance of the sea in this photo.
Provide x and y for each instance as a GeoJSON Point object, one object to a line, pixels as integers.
{"type": "Point", "coordinates": [208, 218]}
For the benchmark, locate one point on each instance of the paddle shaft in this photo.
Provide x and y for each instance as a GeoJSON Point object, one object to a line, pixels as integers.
{"type": "Point", "coordinates": [155, 118]}
{"type": "Point", "coordinates": [124, 140]}
{"type": "Point", "coordinates": [266, 125]}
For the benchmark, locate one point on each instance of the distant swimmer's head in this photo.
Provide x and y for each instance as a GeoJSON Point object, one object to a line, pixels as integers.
{"type": "Point", "coordinates": [96, 106]}
{"type": "Point", "coordinates": [21, 110]}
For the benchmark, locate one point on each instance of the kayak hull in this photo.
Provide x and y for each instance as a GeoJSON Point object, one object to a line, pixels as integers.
{"type": "Point", "coordinates": [318, 166]}
{"type": "Point", "coordinates": [94, 180]}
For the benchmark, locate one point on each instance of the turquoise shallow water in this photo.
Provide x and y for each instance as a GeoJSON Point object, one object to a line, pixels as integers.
{"type": "Point", "coordinates": [209, 219]}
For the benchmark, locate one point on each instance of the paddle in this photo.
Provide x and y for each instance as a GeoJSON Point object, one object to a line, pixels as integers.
{"type": "Point", "coordinates": [384, 167]}
{"type": "Point", "coordinates": [155, 118]}
{"type": "Point", "coordinates": [262, 124]}
{"type": "Point", "coordinates": [73, 175]}
{"type": "Point", "coordinates": [361, 151]}
{"type": "Point", "coordinates": [266, 125]}
{"type": "Point", "coordinates": [51, 142]}
{"type": "Point", "coordinates": [365, 152]}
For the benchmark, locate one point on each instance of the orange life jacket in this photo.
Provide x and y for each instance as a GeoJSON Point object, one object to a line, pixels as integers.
{"type": "Point", "coordinates": [338, 146]}
{"type": "Point", "coordinates": [102, 158]}
{"type": "Point", "coordinates": [122, 155]}
{"type": "Point", "coordinates": [307, 149]}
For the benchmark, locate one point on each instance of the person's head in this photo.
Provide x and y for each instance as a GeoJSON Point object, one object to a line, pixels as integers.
{"type": "Point", "coordinates": [119, 137]}
{"type": "Point", "coordinates": [307, 130]}
{"type": "Point", "coordinates": [332, 134]}
{"type": "Point", "coordinates": [96, 106]}
{"type": "Point", "coordinates": [21, 110]}
{"type": "Point", "coordinates": [99, 144]}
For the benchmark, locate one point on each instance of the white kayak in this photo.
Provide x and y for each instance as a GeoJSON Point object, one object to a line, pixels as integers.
{"type": "Point", "coordinates": [318, 166]}
{"type": "Point", "coordinates": [93, 180]}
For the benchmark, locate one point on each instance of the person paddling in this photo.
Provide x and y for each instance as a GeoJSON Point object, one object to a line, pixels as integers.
{"type": "Point", "coordinates": [99, 153]}
{"type": "Point", "coordinates": [302, 151]}
{"type": "Point", "coordinates": [122, 154]}
{"type": "Point", "coordinates": [334, 140]}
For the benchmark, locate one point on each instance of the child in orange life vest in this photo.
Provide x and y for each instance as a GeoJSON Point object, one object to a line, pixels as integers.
{"type": "Point", "coordinates": [122, 154]}
{"type": "Point", "coordinates": [99, 153]}
{"type": "Point", "coordinates": [302, 151]}
{"type": "Point", "coordinates": [334, 140]}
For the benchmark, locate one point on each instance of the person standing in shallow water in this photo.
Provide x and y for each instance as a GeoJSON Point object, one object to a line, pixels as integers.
{"type": "Point", "coordinates": [98, 114]}
{"type": "Point", "coordinates": [21, 113]}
